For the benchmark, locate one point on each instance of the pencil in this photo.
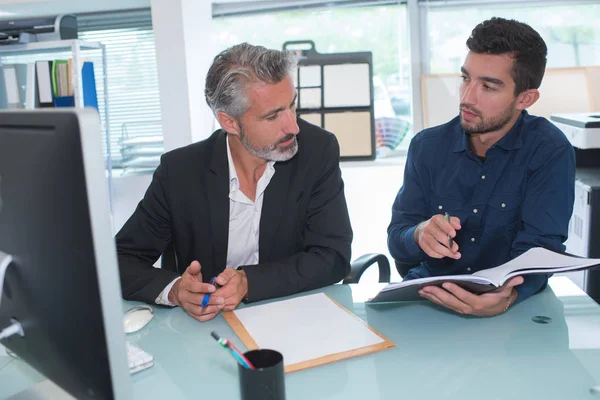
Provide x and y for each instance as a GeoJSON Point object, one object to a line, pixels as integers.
{"type": "Point", "coordinates": [238, 355]}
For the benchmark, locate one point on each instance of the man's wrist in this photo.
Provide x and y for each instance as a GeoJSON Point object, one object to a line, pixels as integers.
{"type": "Point", "coordinates": [418, 229]}
{"type": "Point", "coordinates": [511, 299]}
{"type": "Point", "coordinates": [244, 283]}
{"type": "Point", "coordinates": [173, 293]}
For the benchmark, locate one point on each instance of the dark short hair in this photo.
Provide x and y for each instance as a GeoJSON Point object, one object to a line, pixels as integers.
{"type": "Point", "coordinates": [521, 41]}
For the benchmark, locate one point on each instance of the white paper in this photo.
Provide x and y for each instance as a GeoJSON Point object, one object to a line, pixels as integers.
{"type": "Point", "coordinates": [443, 278]}
{"type": "Point", "coordinates": [536, 259]}
{"type": "Point", "coordinates": [305, 328]}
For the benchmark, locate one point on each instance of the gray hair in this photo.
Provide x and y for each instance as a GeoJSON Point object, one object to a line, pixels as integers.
{"type": "Point", "coordinates": [237, 67]}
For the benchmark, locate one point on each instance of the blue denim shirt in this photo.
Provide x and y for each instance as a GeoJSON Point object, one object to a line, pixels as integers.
{"type": "Point", "coordinates": [520, 197]}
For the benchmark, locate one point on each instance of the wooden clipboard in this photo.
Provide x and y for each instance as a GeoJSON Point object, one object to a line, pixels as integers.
{"type": "Point", "coordinates": [251, 344]}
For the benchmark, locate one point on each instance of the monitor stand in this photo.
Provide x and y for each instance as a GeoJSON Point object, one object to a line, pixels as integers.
{"type": "Point", "coordinates": [45, 390]}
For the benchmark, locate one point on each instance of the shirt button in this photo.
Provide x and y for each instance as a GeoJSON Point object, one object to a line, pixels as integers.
{"type": "Point", "coordinates": [482, 176]}
{"type": "Point", "coordinates": [440, 207]}
{"type": "Point", "coordinates": [472, 239]}
{"type": "Point", "coordinates": [503, 205]}
{"type": "Point", "coordinates": [469, 269]}
{"type": "Point", "coordinates": [474, 211]}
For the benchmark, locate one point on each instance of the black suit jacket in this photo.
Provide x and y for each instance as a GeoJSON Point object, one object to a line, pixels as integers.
{"type": "Point", "coordinates": [305, 233]}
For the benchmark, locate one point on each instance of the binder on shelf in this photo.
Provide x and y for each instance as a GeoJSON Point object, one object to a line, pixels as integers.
{"type": "Point", "coordinates": [64, 101]}
{"type": "Point", "coordinates": [3, 104]}
{"type": "Point", "coordinates": [11, 86]}
{"type": "Point", "coordinates": [19, 79]}
{"type": "Point", "coordinates": [61, 76]}
{"type": "Point", "coordinates": [44, 83]}
{"type": "Point", "coordinates": [90, 95]}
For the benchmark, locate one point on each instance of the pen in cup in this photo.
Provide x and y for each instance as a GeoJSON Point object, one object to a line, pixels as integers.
{"type": "Point", "coordinates": [447, 218]}
{"type": "Point", "coordinates": [206, 297]}
{"type": "Point", "coordinates": [227, 345]}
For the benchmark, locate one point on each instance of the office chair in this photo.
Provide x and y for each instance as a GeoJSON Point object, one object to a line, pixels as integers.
{"type": "Point", "coordinates": [403, 268]}
{"type": "Point", "coordinates": [357, 267]}
{"type": "Point", "coordinates": [360, 265]}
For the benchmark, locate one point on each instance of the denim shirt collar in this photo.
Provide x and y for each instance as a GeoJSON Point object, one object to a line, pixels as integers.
{"type": "Point", "coordinates": [511, 141]}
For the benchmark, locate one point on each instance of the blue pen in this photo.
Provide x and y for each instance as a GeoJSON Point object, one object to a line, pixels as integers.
{"type": "Point", "coordinates": [206, 297]}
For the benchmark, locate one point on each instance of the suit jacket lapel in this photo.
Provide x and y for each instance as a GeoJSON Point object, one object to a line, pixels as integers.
{"type": "Point", "coordinates": [217, 182]}
{"type": "Point", "coordinates": [274, 203]}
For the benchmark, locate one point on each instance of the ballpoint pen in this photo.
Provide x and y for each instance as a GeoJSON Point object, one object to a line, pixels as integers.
{"type": "Point", "coordinates": [447, 218]}
{"type": "Point", "coordinates": [206, 297]}
{"type": "Point", "coordinates": [227, 345]}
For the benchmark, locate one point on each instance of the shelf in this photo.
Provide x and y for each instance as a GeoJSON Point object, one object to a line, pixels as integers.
{"type": "Point", "coordinates": [76, 48]}
{"type": "Point", "coordinates": [47, 47]}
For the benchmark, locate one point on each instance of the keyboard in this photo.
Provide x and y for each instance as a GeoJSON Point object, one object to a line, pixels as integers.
{"type": "Point", "coordinates": [137, 358]}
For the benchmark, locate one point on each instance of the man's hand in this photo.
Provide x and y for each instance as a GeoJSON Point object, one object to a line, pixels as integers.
{"type": "Point", "coordinates": [463, 302]}
{"type": "Point", "coordinates": [234, 287]}
{"type": "Point", "coordinates": [432, 237]}
{"type": "Point", "coordinates": [189, 291]}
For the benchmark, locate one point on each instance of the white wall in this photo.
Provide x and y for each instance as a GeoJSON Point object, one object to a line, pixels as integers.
{"type": "Point", "coordinates": [127, 193]}
{"type": "Point", "coordinates": [184, 54]}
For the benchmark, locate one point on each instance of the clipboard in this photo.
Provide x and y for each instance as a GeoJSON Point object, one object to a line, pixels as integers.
{"type": "Point", "coordinates": [330, 311]}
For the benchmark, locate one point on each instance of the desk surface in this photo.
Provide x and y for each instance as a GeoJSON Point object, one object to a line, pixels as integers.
{"type": "Point", "coordinates": [439, 355]}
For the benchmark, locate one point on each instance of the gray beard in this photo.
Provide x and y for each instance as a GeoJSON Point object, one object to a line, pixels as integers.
{"type": "Point", "coordinates": [270, 153]}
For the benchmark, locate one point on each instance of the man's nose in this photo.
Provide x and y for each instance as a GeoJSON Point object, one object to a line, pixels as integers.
{"type": "Point", "coordinates": [291, 123]}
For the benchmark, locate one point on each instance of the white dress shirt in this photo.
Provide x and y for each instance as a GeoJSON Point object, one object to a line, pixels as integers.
{"type": "Point", "coordinates": [244, 223]}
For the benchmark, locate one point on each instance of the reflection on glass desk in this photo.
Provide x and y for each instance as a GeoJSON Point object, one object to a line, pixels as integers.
{"type": "Point", "coordinates": [439, 355]}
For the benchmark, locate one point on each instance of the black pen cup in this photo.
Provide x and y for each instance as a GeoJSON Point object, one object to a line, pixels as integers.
{"type": "Point", "coordinates": [266, 381]}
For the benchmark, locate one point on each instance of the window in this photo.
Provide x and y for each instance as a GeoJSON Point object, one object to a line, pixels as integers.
{"type": "Point", "coordinates": [382, 29]}
{"type": "Point", "coordinates": [571, 32]}
{"type": "Point", "coordinates": [133, 97]}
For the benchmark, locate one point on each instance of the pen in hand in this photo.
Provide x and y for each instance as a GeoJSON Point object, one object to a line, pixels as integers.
{"type": "Point", "coordinates": [447, 218]}
{"type": "Point", "coordinates": [206, 297]}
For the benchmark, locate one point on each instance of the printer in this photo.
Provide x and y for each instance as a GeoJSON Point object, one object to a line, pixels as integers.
{"type": "Point", "coordinates": [583, 131]}
{"type": "Point", "coordinates": [38, 29]}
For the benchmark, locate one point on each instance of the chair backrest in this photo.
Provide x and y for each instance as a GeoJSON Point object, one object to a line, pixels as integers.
{"type": "Point", "coordinates": [403, 268]}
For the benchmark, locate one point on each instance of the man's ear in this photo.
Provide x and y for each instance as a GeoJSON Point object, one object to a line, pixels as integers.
{"type": "Point", "coordinates": [527, 98]}
{"type": "Point", "coordinates": [228, 123]}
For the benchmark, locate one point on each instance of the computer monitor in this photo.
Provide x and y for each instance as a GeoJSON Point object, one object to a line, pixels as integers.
{"type": "Point", "coordinates": [63, 283]}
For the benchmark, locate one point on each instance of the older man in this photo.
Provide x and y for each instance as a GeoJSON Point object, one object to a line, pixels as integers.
{"type": "Point", "coordinates": [259, 205]}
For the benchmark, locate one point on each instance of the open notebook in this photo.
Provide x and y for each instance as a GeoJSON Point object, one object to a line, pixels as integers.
{"type": "Point", "coordinates": [534, 261]}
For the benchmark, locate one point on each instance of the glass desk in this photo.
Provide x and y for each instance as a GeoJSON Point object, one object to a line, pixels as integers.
{"type": "Point", "coordinates": [439, 355]}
